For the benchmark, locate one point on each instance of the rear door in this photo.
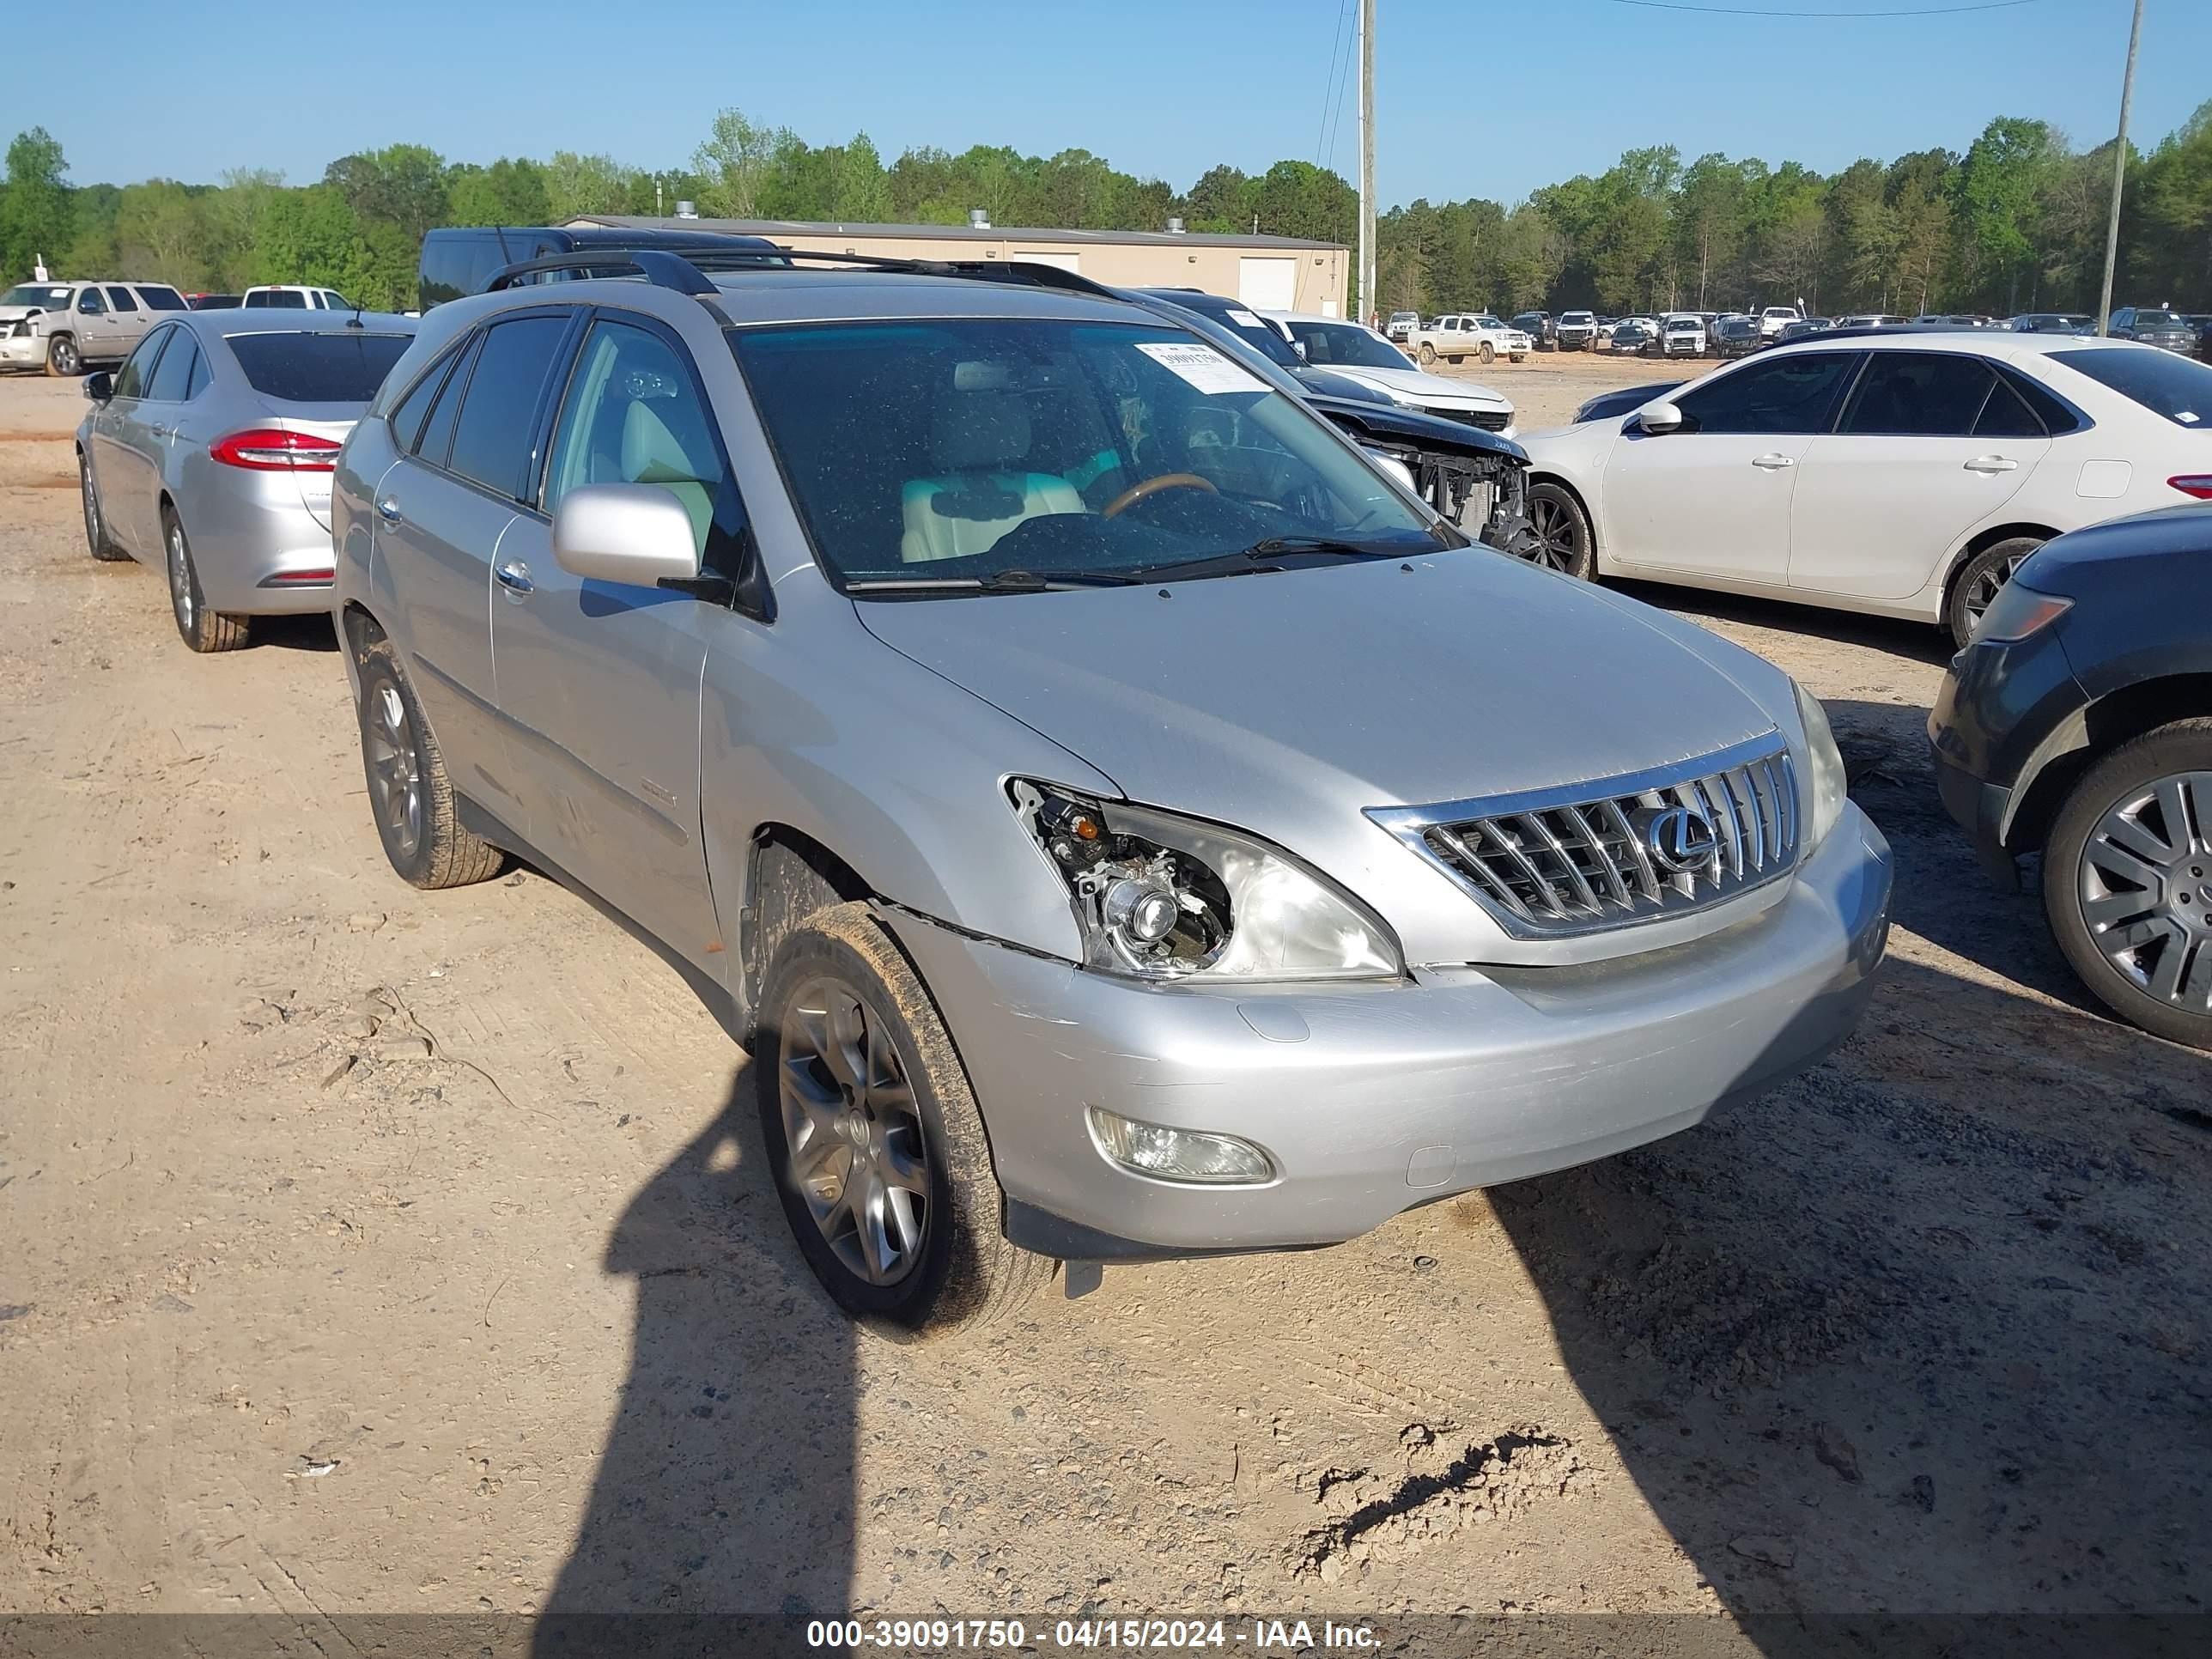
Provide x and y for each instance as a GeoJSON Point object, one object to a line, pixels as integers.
{"type": "Point", "coordinates": [1930, 445]}
{"type": "Point", "coordinates": [1713, 498]}
{"type": "Point", "coordinates": [126, 451]}
{"type": "Point", "coordinates": [130, 320]}
{"type": "Point", "coordinates": [442, 512]}
{"type": "Point", "coordinates": [598, 682]}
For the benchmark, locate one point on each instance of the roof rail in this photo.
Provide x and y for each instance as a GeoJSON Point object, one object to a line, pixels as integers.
{"type": "Point", "coordinates": [673, 268]}
{"type": "Point", "coordinates": [684, 269]}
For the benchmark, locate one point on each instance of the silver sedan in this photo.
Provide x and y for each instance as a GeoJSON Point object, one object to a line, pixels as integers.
{"type": "Point", "coordinates": [210, 452]}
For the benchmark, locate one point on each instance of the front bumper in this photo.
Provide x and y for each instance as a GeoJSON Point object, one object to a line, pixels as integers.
{"type": "Point", "coordinates": [1371, 1099]}
{"type": "Point", "coordinates": [23, 351]}
{"type": "Point", "coordinates": [2004, 713]}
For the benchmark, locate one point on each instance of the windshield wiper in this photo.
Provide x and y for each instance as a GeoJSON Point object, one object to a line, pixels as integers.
{"type": "Point", "coordinates": [1264, 556]}
{"type": "Point", "coordinates": [999, 581]}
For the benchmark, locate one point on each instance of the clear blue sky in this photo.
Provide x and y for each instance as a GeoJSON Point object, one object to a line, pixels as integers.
{"type": "Point", "coordinates": [1474, 99]}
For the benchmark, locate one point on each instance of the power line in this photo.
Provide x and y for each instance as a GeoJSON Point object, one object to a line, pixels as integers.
{"type": "Point", "coordinates": [1328, 98]}
{"type": "Point", "coordinates": [1752, 11]}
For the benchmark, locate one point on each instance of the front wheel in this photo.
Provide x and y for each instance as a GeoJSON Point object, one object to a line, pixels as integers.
{"type": "Point", "coordinates": [63, 358]}
{"type": "Point", "coordinates": [1563, 540]}
{"type": "Point", "coordinates": [873, 1135]}
{"type": "Point", "coordinates": [2127, 881]}
{"type": "Point", "coordinates": [1489, 352]}
{"type": "Point", "coordinates": [1427, 354]}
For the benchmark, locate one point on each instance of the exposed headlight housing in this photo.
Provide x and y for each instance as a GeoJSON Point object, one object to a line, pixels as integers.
{"type": "Point", "coordinates": [1161, 897]}
{"type": "Point", "coordinates": [1826, 786]}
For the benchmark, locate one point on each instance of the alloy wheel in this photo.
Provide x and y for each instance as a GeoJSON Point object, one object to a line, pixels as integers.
{"type": "Point", "coordinates": [182, 597]}
{"type": "Point", "coordinates": [66, 358]}
{"type": "Point", "coordinates": [853, 1134]}
{"type": "Point", "coordinates": [1983, 591]}
{"type": "Point", "coordinates": [2145, 889]}
{"type": "Point", "coordinates": [395, 769]}
{"type": "Point", "coordinates": [1557, 546]}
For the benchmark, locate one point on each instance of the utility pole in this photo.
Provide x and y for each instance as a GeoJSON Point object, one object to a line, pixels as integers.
{"type": "Point", "coordinates": [2120, 176]}
{"type": "Point", "coordinates": [1367, 157]}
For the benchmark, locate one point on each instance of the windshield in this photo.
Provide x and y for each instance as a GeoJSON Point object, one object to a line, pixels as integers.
{"type": "Point", "coordinates": [1347, 345]}
{"type": "Point", "coordinates": [1684, 324]}
{"type": "Point", "coordinates": [47, 295]}
{"type": "Point", "coordinates": [2161, 381]}
{"type": "Point", "coordinates": [1577, 318]}
{"type": "Point", "coordinates": [932, 456]}
{"type": "Point", "coordinates": [343, 367]}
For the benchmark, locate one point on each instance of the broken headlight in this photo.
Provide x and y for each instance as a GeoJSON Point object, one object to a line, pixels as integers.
{"type": "Point", "coordinates": [1160, 898]}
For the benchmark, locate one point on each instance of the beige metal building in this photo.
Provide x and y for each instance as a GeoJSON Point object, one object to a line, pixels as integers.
{"type": "Point", "coordinates": [1268, 273]}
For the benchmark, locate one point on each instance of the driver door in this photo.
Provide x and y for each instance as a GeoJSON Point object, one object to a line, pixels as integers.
{"type": "Point", "coordinates": [598, 681]}
{"type": "Point", "coordinates": [1713, 498]}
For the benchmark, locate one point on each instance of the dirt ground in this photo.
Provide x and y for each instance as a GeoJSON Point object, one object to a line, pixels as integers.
{"type": "Point", "coordinates": [369, 1250]}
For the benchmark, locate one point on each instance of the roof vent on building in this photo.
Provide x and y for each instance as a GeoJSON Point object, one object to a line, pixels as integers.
{"type": "Point", "coordinates": [1174, 227]}
{"type": "Point", "coordinates": [979, 218]}
{"type": "Point", "coordinates": [687, 209]}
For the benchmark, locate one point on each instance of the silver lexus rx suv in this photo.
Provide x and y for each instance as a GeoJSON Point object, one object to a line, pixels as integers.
{"type": "Point", "coordinates": [1119, 819]}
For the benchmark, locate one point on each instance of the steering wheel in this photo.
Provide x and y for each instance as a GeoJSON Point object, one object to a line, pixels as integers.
{"type": "Point", "coordinates": [1136, 492]}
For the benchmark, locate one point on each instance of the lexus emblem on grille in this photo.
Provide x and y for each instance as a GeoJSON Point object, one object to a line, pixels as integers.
{"type": "Point", "coordinates": [1679, 840]}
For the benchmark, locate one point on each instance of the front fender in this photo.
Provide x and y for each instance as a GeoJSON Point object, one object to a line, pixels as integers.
{"type": "Point", "coordinates": [815, 724]}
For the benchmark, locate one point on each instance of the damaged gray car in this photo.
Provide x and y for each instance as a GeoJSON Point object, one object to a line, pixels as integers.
{"type": "Point", "coordinates": [1119, 810]}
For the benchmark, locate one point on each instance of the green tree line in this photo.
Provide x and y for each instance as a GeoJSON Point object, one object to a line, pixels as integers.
{"type": "Point", "coordinates": [2015, 224]}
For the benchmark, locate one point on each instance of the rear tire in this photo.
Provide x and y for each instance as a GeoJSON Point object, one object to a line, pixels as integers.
{"type": "Point", "coordinates": [97, 541]}
{"type": "Point", "coordinates": [1979, 582]}
{"type": "Point", "coordinates": [873, 1135]}
{"type": "Point", "coordinates": [2138, 928]}
{"type": "Point", "coordinates": [1489, 352]}
{"type": "Point", "coordinates": [202, 629]}
{"type": "Point", "coordinates": [416, 812]}
{"type": "Point", "coordinates": [1563, 541]}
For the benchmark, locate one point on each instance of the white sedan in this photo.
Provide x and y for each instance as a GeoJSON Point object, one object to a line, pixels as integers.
{"type": "Point", "coordinates": [1359, 353]}
{"type": "Point", "coordinates": [1901, 473]}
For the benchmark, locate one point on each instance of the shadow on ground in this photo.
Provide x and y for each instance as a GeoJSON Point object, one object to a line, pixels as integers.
{"type": "Point", "coordinates": [726, 1485]}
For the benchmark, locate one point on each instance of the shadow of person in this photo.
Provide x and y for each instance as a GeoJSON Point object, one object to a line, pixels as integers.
{"type": "Point", "coordinates": [721, 1515]}
{"type": "Point", "coordinates": [1920, 1332]}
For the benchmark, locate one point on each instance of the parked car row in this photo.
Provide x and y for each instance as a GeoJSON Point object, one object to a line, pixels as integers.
{"type": "Point", "coordinates": [838, 624]}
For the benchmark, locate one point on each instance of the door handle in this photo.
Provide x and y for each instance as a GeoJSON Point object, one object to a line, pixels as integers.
{"type": "Point", "coordinates": [1771, 463]}
{"type": "Point", "coordinates": [388, 510]}
{"type": "Point", "coordinates": [1992, 463]}
{"type": "Point", "coordinates": [515, 576]}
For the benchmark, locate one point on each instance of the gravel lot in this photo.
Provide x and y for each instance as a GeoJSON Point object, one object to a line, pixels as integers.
{"type": "Point", "coordinates": [368, 1250]}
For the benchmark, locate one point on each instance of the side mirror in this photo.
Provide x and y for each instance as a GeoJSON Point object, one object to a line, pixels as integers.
{"type": "Point", "coordinates": [1662, 417]}
{"type": "Point", "coordinates": [633, 533]}
{"type": "Point", "coordinates": [99, 386]}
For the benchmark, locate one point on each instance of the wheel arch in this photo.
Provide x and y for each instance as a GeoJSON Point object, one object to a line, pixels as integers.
{"type": "Point", "coordinates": [2120, 717]}
{"type": "Point", "coordinates": [1980, 542]}
{"type": "Point", "coordinates": [788, 876]}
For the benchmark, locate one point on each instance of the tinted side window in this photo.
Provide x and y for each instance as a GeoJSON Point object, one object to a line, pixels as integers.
{"type": "Point", "coordinates": [173, 378]}
{"type": "Point", "coordinates": [493, 441]}
{"type": "Point", "coordinates": [121, 300]}
{"type": "Point", "coordinates": [198, 383]}
{"type": "Point", "coordinates": [437, 434]}
{"type": "Point", "coordinates": [2057, 418]}
{"type": "Point", "coordinates": [2006, 415]}
{"type": "Point", "coordinates": [158, 298]}
{"type": "Point", "coordinates": [406, 419]}
{"type": "Point", "coordinates": [1791, 394]}
{"type": "Point", "coordinates": [138, 367]}
{"type": "Point", "coordinates": [634, 415]}
{"type": "Point", "coordinates": [1916, 394]}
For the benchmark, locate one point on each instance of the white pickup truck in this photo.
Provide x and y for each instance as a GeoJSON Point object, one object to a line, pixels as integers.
{"type": "Point", "coordinates": [1460, 335]}
{"type": "Point", "coordinates": [1771, 319]}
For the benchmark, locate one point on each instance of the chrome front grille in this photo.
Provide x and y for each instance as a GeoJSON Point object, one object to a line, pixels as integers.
{"type": "Point", "coordinates": [1618, 851]}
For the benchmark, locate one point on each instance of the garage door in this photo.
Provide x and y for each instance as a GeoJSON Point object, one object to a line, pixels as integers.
{"type": "Point", "coordinates": [1267, 285]}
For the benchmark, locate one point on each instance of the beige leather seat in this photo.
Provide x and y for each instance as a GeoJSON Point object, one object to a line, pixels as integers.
{"type": "Point", "coordinates": [975, 436]}
{"type": "Point", "coordinates": [651, 454]}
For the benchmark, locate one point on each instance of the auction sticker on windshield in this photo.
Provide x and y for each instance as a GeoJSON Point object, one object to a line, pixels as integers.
{"type": "Point", "coordinates": [1202, 366]}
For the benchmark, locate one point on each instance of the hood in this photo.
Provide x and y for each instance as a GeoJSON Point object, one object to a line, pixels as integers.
{"type": "Point", "coordinates": [1432, 390]}
{"type": "Point", "coordinates": [1287, 703]}
{"type": "Point", "coordinates": [16, 313]}
{"type": "Point", "coordinates": [2169, 545]}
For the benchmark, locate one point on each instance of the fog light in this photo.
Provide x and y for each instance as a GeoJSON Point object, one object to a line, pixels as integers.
{"type": "Point", "coordinates": [1165, 1154]}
